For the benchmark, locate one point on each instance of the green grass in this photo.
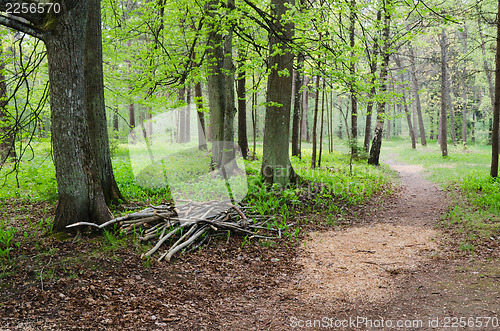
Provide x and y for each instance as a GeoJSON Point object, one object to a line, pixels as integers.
{"type": "Point", "coordinates": [475, 214]}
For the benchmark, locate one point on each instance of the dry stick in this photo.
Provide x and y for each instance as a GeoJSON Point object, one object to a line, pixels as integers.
{"type": "Point", "coordinates": [187, 234]}
{"type": "Point", "coordinates": [162, 240]}
{"type": "Point", "coordinates": [186, 243]}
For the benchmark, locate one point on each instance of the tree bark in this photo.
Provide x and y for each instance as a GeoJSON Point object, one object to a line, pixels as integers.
{"type": "Point", "coordinates": [81, 198]}
{"type": "Point", "coordinates": [187, 116]}
{"type": "Point", "coordinates": [296, 106]}
{"type": "Point", "coordinates": [242, 115]}
{"type": "Point", "coordinates": [452, 110]}
{"type": "Point", "coordinates": [276, 166]}
{"type": "Point", "coordinates": [352, 82]}
{"type": "Point", "coordinates": [405, 105]}
{"type": "Point", "coordinates": [305, 106]}
{"type": "Point", "coordinates": [95, 104]}
{"type": "Point", "coordinates": [464, 88]}
{"type": "Point", "coordinates": [315, 124]}
{"type": "Point", "coordinates": [496, 109]}
{"type": "Point", "coordinates": [443, 139]}
{"type": "Point", "coordinates": [321, 123]}
{"type": "Point", "coordinates": [216, 84]}
{"type": "Point", "coordinates": [198, 95]}
{"type": "Point", "coordinates": [377, 138]}
{"type": "Point", "coordinates": [7, 134]}
{"type": "Point", "coordinates": [416, 95]}
{"type": "Point", "coordinates": [230, 108]}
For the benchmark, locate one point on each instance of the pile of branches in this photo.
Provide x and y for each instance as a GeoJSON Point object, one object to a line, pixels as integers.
{"type": "Point", "coordinates": [192, 223]}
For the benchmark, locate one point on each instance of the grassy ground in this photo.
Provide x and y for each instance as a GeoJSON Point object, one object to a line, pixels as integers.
{"type": "Point", "coordinates": [29, 192]}
{"type": "Point", "coordinates": [475, 213]}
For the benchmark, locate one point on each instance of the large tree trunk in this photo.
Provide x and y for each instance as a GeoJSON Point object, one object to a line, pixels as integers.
{"type": "Point", "coordinates": [373, 89]}
{"type": "Point", "coordinates": [216, 90]}
{"type": "Point", "coordinates": [377, 138]}
{"type": "Point", "coordinates": [416, 95]}
{"type": "Point", "coordinates": [95, 104]}
{"type": "Point", "coordinates": [496, 109]}
{"type": "Point", "coordinates": [443, 139]}
{"type": "Point", "coordinates": [276, 166]}
{"type": "Point", "coordinates": [230, 108]}
{"type": "Point", "coordinates": [81, 198]}
{"type": "Point", "coordinates": [296, 106]}
{"type": "Point", "coordinates": [242, 114]}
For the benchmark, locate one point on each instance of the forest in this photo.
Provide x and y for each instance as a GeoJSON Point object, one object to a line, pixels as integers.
{"type": "Point", "coordinates": [249, 164]}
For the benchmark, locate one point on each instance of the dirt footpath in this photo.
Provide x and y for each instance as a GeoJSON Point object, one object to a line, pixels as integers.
{"type": "Point", "coordinates": [392, 270]}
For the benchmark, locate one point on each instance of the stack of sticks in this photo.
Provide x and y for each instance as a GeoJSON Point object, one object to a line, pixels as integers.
{"type": "Point", "coordinates": [192, 223]}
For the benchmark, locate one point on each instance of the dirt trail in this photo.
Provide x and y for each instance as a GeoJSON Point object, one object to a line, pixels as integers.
{"type": "Point", "coordinates": [391, 266]}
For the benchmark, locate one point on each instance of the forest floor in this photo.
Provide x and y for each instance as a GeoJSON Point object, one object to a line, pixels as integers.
{"type": "Point", "coordinates": [387, 264]}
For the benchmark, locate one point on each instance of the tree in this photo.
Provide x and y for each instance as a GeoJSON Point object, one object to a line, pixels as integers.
{"type": "Point", "coordinates": [416, 95]}
{"type": "Point", "coordinates": [377, 138]}
{"type": "Point", "coordinates": [373, 61]}
{"type": "Point", "coordinates": [496, 109]}
{"type": "Point", "coordinates": [242, 114]}
{"type": "Point", "coordinates": [296, 106]}
{"type": "Point", "coordinates": [352, 83]}
{"type": "Point", "coordinates": [7, 141]}
{"type": "Point", "coordinates": [95, 104]}
{"type": "Point", "coordinates": [276, 166]}
{"type": "Point", "coordinates": [444, 93]}
{"type": "Point", "coordinates": [220, 82]}
{"type": "Point", "coordinates": [80, 193]}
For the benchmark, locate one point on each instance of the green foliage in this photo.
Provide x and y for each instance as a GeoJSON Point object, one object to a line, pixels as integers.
{"type": "Point", "coordinates": [7, 234]}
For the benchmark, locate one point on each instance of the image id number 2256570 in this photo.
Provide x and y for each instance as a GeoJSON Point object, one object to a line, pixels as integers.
{"type": "Point", "coordinates": [32, 8]}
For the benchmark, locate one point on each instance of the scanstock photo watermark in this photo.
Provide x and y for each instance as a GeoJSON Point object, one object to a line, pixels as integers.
{"type": "Point", "coordinates": [363, 323]}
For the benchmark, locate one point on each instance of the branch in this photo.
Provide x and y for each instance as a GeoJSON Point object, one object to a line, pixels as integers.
{"type": "Point", "coordinates": [21, 26]}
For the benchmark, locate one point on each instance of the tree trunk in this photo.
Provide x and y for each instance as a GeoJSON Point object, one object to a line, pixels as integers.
{"type": "Point", "coordinates": [452, 111]}
{"type": "Point", "coordinates": [416, 95]}
{"type": "Point", "coordinates": [373, 70]}
{"type": "Point", "coordinates": [198, 95]}
{"type": "Point", "coordinates": [276, 166]}
{"type": "Point", "coordinates": [443, 139]}
{"type": "Point", "coordinates": [254, 116]}
{"type": "Point", "coordinates": [464, 89]}
{"type": "Point", "coordinates": [216, 84]}
{"type": "Point", "coordinates": [496, 109]}
{"type": "Point", "coordinates": [377, 138]}
{"type": "Point", "coordinates": [95, 104]}
{"type": "Point", "coordinates": [296, 106]}
{"type": "Point", "coordinates": [305, 105]}
{"type": "Point", "coordinates": [321, 124]}
{"type": "Point", "coordinates": [352, 82]}
{"type": "Point", "coordinates": [230, 108]}
{"type": "Point", "coordinates": [181, 113]}
{"type": "Point", "coordinates": [315, 124]}
{"type": "Point", "coordinates": [405, 105]}
{"type": "Point", "coordinates": [242, 115]}
{"type": "Point", "coordinates": [187, 116]}
{"type": "Point", "coordinates": [7, 134]}
{"type": "Point", "coordinates": [81, 198]}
